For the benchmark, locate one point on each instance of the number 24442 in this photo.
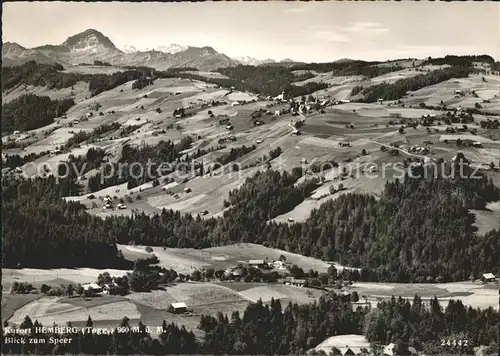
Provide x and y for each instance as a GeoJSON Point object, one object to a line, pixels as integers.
{"type": "Point", "coordinates": [455, 342]}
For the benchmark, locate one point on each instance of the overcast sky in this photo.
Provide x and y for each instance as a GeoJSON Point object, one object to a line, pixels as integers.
{"type": "Point", "coordinates": [306, 31]}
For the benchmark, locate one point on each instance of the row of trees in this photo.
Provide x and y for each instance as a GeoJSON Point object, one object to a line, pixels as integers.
{"type": "Point", "coordinates": [274, 329]}
{"type": "Point", "coordinates": [465, 61]}
{"type": "Point", "coordinates": [235, 153]}
{"type": "Point", "coordinates": [13, 161]}
{"type": "Point", "coordinates": [127, 169]}
{"type": "Point", "coordinates": [265, 80]}
{"type": "Point", "coordinates": [350, 67]}
{"type": "Point", "coordinates": [92, 136]}
{"type": "Point", "coordinates": [40, 75]}
{"type": "Point", "coordinates": [31, 111]}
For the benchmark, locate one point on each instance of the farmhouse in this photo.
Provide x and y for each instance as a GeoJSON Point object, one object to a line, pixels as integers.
{"type": "Point", "coordinates": [236, 103]}
{"type": "Point", "coordinates": [178, 308]}
{"type": "Point", "coordinates": [257, 263]}
{"type": "Point", "coordinates": [477, 144]}
{"type": "Point", "coordinates": [280, 97]}
{"type": "Point", "coordinates": [347, 351]}
{"type": "Point", "coordinates": [488, 277]}
{"type": "Point", "coordinates": [93, 288]}
{"type": "Point", "coordinates": [110, 287]}
{"type": "Point", "coordinates": [389, 350]}
{"type": "Point", "coordinates": [278, 265]}
{"type": "Point", "coordinates": [291, 281]}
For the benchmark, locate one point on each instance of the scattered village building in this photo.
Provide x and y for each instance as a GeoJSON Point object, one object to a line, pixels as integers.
{"type": "Point", "coordinates": [278, 265]}
{"type": "Point", "coordinates": [6, 170]}
{"type": "Point", "coordinates": [291, 281]}
{"type": "Point", "coordinates": [178, 308]}
{"type": "Point", "coordinates": [488, 277]}
{"type": "Point", "coordinates": [350, 351]}
{"type": "Point", "coordinates": [280, 97]}
{"type": "Point", "coordinates": [389, 350]}
{"type": "Point", "coordinates": [109, 287]}
{"type": "Point", "coordinates": [93, 288]}
{"type": "Point", "coordinates": [257, 263]}
{"type": "Point", "coordinates": [477, 144]}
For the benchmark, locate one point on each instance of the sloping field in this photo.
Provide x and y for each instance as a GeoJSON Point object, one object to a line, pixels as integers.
{"type": "Point", "coordinates": [157, 299]}
{"type": "Point", "coordinates": [486, 220]}
{"type": "Point", "coordinates": [477, 138]}
{"type": "Point", "coordinates": [12, 302]}
{"type": "Point", "coordinates": [186, 260]}
{"type": "Point", "coordinates": [243, 252]}
{"type": "Point", "coordinates": [475, 294]}
{"type": "Point", "coordinates": [237, 96]}
{"type": "Point", "coordinates": [208, 74]}
{"type": "Point", "coordinates": [202, 298]}
{"type": "Point", "coordinates": [171, 258]}
{"type": "Point", "coordinates": [293, 294]}
{"type": "Point", "coordinates": [445, 91]}
{"type": "Point", "coordinates": [77, 275]}
{"type": "Point", "coordinates": [93, 69]}
{"type": "Point", "coordinates": [78, 92]}
{"type": "Point", "coordinates": [48, 310]}
{"type": "Point", "coordinates": [343, 341]}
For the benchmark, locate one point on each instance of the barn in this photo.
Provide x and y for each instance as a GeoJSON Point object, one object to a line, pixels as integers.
{"type": "Point", "coordinates": [257, 263]}
{"type": "Point", "coordinates": [178, 308]}
{"type": "Point", "coordinates": [488, 277]}
{"type": "Point", "coordinates": [93, 288]}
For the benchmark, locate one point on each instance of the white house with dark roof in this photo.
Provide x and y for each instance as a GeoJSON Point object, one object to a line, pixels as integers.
{"type": "Point", "coordinates": [488, 277]}
{"type": "Point", "coordinates": [178, 308]}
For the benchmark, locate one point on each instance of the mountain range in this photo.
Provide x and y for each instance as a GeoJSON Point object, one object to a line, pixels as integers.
{"type": "Point", "coordinates": [91, 45]}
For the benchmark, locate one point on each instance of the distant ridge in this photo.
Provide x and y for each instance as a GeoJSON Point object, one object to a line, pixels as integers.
{"type": "Point", "coordinates": [91, 45]}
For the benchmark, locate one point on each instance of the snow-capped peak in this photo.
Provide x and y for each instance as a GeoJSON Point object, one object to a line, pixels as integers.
{"type": "Point", "coordinates": [252, 61]}
{"type": "Point", "coordinates": [171, 48]}
{"type": "Point", "coordinates": [129, 49]}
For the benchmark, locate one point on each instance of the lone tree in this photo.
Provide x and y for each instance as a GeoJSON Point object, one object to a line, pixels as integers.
{"type": "Point", "coordinates": [354, 297]}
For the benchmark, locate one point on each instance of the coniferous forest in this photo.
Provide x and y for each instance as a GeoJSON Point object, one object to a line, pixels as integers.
{"type": "Point", "coordinates": [31, 111]}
